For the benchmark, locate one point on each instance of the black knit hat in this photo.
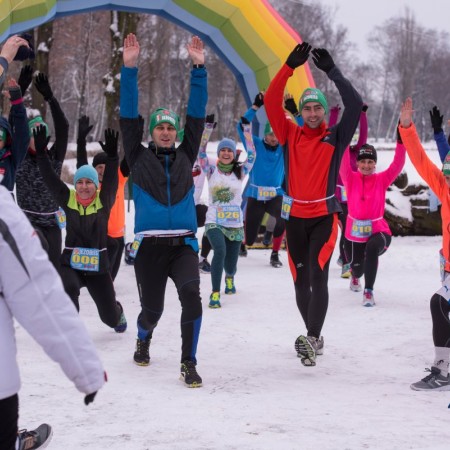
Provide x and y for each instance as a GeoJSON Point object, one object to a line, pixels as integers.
{"type": "Point", "coordinates": [367, 151]}
{"type": "Point", "coordinates": [99, 158]}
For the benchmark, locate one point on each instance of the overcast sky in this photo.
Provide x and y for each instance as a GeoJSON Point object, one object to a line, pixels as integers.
{"type": "Point", "coordinates": [360, 17]}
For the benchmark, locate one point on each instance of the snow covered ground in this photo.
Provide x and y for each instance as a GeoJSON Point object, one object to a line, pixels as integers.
{"type": "Point", "coordinates": [256, 393]}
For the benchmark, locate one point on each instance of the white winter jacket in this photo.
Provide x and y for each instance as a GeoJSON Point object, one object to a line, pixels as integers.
{"type": "Point", "coordinates": [31, 291]}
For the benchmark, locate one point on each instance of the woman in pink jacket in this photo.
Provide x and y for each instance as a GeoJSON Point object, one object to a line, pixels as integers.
{"type": "Point", "coordinates": [367, 233]}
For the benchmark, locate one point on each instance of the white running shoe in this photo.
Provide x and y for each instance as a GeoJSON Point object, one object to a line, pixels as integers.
{"type": "Point", "coordinates": [368, 298]}
{"type": "Point", "coordinates": [355, 285]}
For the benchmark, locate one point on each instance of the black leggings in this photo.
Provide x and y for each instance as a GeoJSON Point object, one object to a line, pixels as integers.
{"type": "Point", "coordinates": [154, 264]}
{"type": "Point", "coordinates": [440, 310]}
{"type": "Point", "coordinates": [310, 246]}
{"type": "Point", "coordinates": [254, 214]}
{"type": "Point", "coordinates": [363, 256]}
{"type": "Point", "coordinates": [100, 287]}
{"type": "Point", "coordinates": [115, 248]}
{"type": "Point", "coordinates": [9, 417]}
{"type": "Point", "coordinates": [342, 223]}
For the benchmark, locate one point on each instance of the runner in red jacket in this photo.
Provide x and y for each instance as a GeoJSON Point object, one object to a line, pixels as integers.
{"type": "Point", "coordinates": [313, 155]}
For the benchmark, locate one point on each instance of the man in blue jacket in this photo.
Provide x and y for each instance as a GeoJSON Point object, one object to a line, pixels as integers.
{"type": "Point", "coordinates": [165, 217]}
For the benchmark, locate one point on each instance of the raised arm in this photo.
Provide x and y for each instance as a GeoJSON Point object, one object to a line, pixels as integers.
{"type": "Point", "coordinates": [60, 121]}
{"type": "Point", "coordinates": [350, 97]}
{"type": "Point", "coordinates": [84, 128]}
{"type": "Point", "coordinates": [274, 96]}
{"type": "Point", "coordinates": [363, 128]}
{"type": "Point", "coordinates": [110, 176]}
{"type": "Point", "coordinates": [56, 186]}
{"type": "Point", "coordinates": [19, 124]}
{"type": "Point", "coordinates": [249, 145]}
{"type": "Point", "coordinates": [198, 97]}
{"type": "Point", "coordinates": [439, 136]}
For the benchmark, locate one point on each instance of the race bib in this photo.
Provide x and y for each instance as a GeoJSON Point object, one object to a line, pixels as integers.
{"type": "Point", "coordinates": [228, 215]}
{"type": "Point", "coordinates": [361, 228]}
{"type": "Point", "coordinates": [286, 207]}
{"type": "Point", "coordinates": [444, 291]}
{"type": "Point", "coordinates": [135, 245]}
{"type": "Point", "coordinates": [266, 193]}
{"type": "Point", "coordinates": [442, 265]}
{"type": "Point", "coordinates": [61, 218]}
{"type": "Point", "coordinates": [85, 259]}
{"type": "Point", "coordinates": [343, 194]}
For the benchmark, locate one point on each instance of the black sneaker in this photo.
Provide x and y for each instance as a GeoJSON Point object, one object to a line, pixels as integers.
{"type": "Point", "coordinates": [204, 266]}
{"type": "Point", "coordinates": [142, 355]}
{"type": "Point", "coordinates": [243, 250]}
{"type": "Point", "coordinates": [38, 438]}
{"type": "Point", "coordinates": [189, 374]}
{"type": "Point", "coordinates": [275, 260]}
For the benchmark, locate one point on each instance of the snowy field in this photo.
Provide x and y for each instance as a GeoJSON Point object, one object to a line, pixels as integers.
{"type": "Point", "coordinates": [256, 393]}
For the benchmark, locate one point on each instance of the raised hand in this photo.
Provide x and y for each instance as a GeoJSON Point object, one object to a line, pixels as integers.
{"type": "Point", "coordinates": [365, 107]}
{"type": "Point", "coordinates": [11, 47]}
{"type": "Point", "coordinates": [14, 91]}
{"type": "Point", "coordinates": [196, 50]}
{"type": "Point", "coordinates": [84, 128]}
{"type": "Point", "coordinates": [299, 55]}
{"type": "Point", "coordinates": [110, 146]}
{"type": "Point", "coordinates": [436, 119]}
{"type": "Point", "coordinates": [322, 59]}
{"type": "Point", "coordinates": [406, 113]}
{"type": "Point", "coordinates": [290, 105]}
{"type": "Point", "coordinates": [25, 78]}
{"type": "Point", "coordinates": [259, 99]}
{"type": "Point", "coordinates": [40, 140]}
{"type": "Point", "coordinates": [131, 50]}
{"type": "Point", "coordinates": [43, 86]}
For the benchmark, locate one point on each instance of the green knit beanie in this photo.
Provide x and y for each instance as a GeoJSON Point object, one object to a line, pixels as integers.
{"type": "Point", "coordinates": [163, 115]}
{"type": "Point", "coordinates": [313, 95]}
{"type": "Point", "coordinates": [446, 166]}
{"type": "Point", "coordinates": [267, 129]}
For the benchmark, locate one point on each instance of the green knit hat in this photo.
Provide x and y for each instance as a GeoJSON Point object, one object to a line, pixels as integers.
{"type": "Point", "coordinates": [446, 166]}
{"type": "Point", "coordinates": [267, 129]}
{"type": "Point", "coordinates": [163, 115]}
{"type": "Point", "coordinates": [38, 120]}
{"type": "Point", "coordinates": [313, 95]}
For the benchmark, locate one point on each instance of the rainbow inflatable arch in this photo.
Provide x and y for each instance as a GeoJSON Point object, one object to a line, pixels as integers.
{"type": "Point", "coordinates": [249, 35]}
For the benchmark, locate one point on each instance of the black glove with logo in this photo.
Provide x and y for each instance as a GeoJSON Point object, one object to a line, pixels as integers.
{"type": "Point", "coordinates": [299, 55]}
{"type": "Point", "coordinates": [322, 59]}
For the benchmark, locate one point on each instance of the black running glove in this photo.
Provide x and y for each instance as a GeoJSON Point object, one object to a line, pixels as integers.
{"type": "Point", "coordinates": [25, 78]}
{"type": "Point", "coordinates": [259, 100]}
{"type": "Point", "coordinates": [322, 59]}
{"type": "Point", "coordinates": [291, 106]}
{"type": "Point", "coordinates": [299, 55]}
{"type": "Point", "coordinates": [43, 86]}
{"type": "Point", "coordinates": [84, 128]}
{"type": "Point", "coordinates": [40, 141]}
{"type": "Point", "coordinates": [110, 146]}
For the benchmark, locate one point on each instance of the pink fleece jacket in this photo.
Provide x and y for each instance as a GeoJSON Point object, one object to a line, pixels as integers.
{"type": "Point", "coordinates": [366, 197]}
